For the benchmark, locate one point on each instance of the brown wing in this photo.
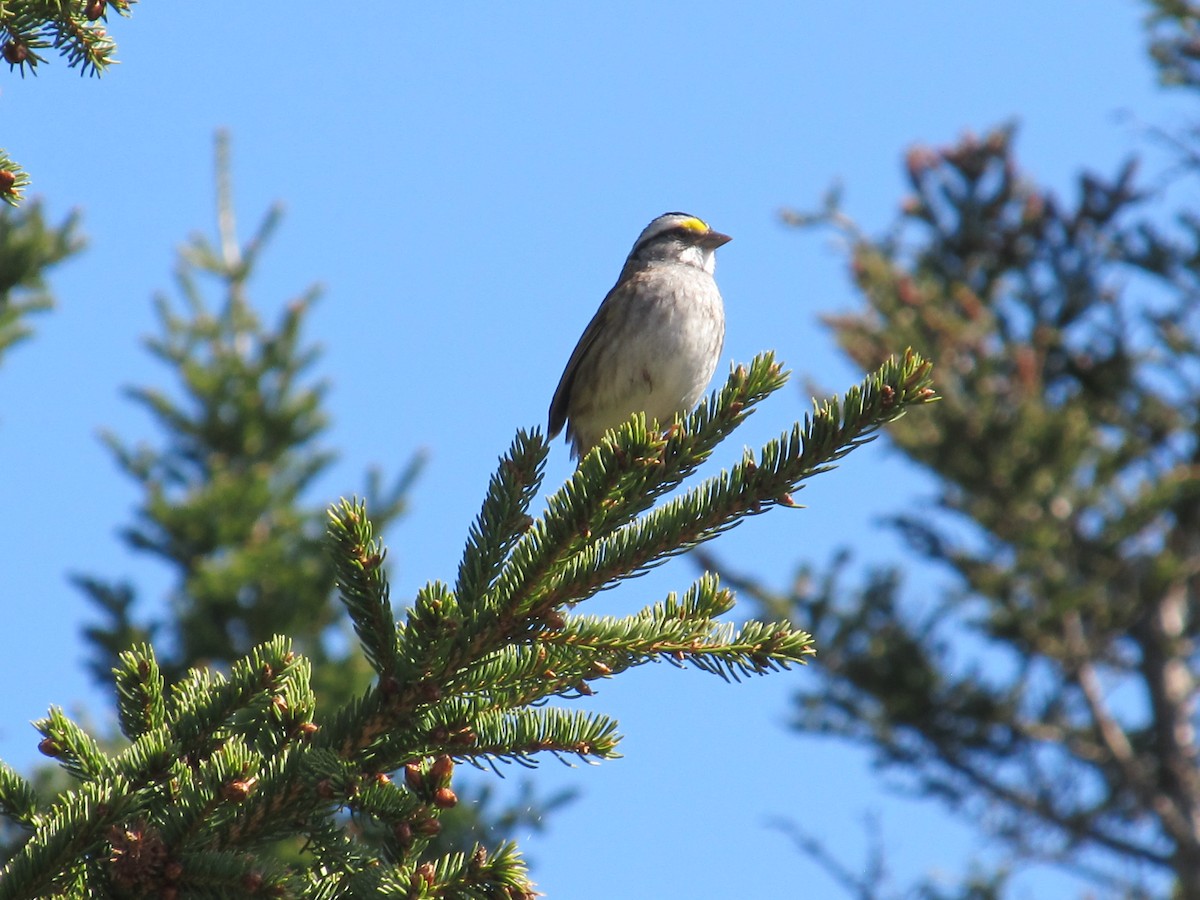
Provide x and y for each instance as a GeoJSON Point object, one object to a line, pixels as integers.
{"type": "Point", "coordinates": [558, 406]}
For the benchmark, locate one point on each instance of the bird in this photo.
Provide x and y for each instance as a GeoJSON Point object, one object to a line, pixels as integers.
{"type": "Point", "coordinates": [654, 343]}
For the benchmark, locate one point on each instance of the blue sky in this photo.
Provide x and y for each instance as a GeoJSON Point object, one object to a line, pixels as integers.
{"type": "Point", "coordinates": [465, 181]}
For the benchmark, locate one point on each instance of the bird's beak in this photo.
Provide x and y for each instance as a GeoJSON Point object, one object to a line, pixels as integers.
{"type": "Point", "coordinates": [714, 239]}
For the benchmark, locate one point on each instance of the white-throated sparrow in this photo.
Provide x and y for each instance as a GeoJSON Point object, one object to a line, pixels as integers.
{"type": "Point", "coordinates": [654, 342]}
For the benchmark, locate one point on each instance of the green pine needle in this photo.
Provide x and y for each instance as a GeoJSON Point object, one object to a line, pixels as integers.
{"type": "Point", "coordinates": [363, 583]}
{"type": "Point", "coordinates": [141, 706]}
{"type": "Point", "coordinates": [503, 518]}
{"type": "Point", "coordinates": [222, 766]}
{"type": "Point", "coordinates": [18, 800]}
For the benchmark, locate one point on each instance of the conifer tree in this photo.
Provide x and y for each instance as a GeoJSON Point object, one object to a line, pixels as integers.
{"type": "Point", "coordinates": [1048, 692]}
{"type": "Point", "coordinates": [75, 29]}
{"type": "Point", "coordinates": [220, 764]}
{"type": "Point", "coordinates": [29, 249]}
{"type": "Point", "coordinates": [223, 497]}
{"type": "Point", "coordinates": [219, 767]}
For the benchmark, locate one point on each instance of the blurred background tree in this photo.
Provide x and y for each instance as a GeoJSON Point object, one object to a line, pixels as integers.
{"type": "Point", "coordinates": [225, 785]}
{"type": "Point", "coordinates": [29, 249]}
{"type": "Point", "coordinates": [1046, 691]}
{"type": "Point", "coordinates": [224, 493]}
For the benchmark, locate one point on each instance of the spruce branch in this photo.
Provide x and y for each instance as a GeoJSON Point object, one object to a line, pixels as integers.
{"type": "Point", "coordinates": [749, 488]}
{"type": "Point", "coordinates": [13, 180]}
{"type": "Point", "coordinates": [216, 873]}
{"type": "Point", "coordinates": [77, 751]}
{"type": "Point", "coordinates": [617, 481]}
{"type": "Point", "coordinates": [203, 705]}
{"type": "Point", "coordinates": [475, 875]}
{"type": "Point", "coordinates": [503, 518]}
{"type": "Point", "coordinates": [487, 736]}
{"type": "Point", "coordinates": [212, 797]}
{"type": "Point", "coordinates": [65, 836]}
{"type": "Point", "coordinates": [519, 735]}
{"type": "Point", "coordinates": [381, 798]}
{"type": "Point", "coordinates": [18, 799]}
{"type": "Point", "coordinates": [75, 29]}
{"type": "Point", "coordinates": [141, 702]}
{"type": "Point", "coordinates": [560, 559]}
{"type": "Point", "coordinates": [562, 661]}
{"type": "Point", "coordinates": [225, 765]}
{"type": "Point", "coordinates": [363, 586]}
{"type": "Point", "coordinates": [460, 876]}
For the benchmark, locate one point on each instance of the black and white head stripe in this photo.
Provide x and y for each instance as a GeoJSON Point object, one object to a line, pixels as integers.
{"type": "Point", "coordinates": [675, 224]}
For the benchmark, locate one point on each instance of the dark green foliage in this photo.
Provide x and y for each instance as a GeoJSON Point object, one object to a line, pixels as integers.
{"type": "Point", "coordinates": [17, 796]}
{"type": "Point", "coordinates": [224, 492]}
{"type": "Point", "coordinates": [220, 768]}
{"type": "Point", "coordinates": [224, 507]}
{"type": "Point", "coordinates": [29, 248]}
{"type": "Point", "coordinates": [502, 520]}
{"type": "Point", "coordinates": [225, 781]}
{"type": "Point", "coordinates": [1049, 690]}
{"type": "Point", "coordinates": [1175, 41]}
{"type": "Point", "coordinates": [1065, 441]}
{"type": "Point", "coordinates": [139, 691]}
{"type": "Point", "coordinates": [72, 28]}
{"type": "Point", "coordinates": [13, 180]}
